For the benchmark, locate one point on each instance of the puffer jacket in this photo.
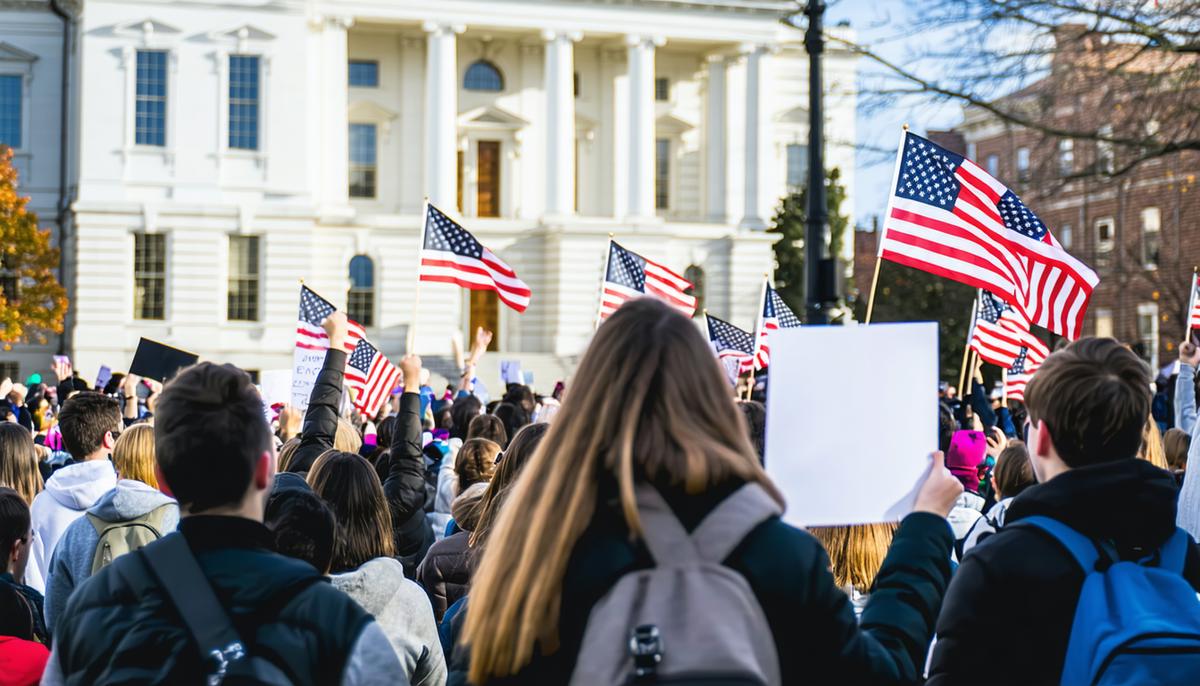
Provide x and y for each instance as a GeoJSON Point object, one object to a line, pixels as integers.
{"type": "Point", "coordinates": [446, 571]}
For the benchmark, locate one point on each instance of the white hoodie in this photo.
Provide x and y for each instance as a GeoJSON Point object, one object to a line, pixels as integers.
{"type": "Point", "coordinates": [68, 495]}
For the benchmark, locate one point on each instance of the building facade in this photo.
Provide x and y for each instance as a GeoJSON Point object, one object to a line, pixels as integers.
{"type": "Point", "coordinates": [222, 152]}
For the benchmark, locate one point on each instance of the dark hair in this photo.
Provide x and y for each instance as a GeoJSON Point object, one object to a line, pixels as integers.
{"type": "Point", "coordinates": [1176, 442]}
{"type": "Point", "coordinates": [520, 449]}
{"type": "Point", "coordinates": [1013, 471]}
{"type": "Point", "coordinates": [349, 485]}
{"type": "Point", "coordinates": [1094, 395]}
{"type": "Point", "coordinates": [303, 526]}
{"type": "Point", "coordinates": [522, 396]}
{"type": "Point", "coordinates": [85, 418]}
{"type": "Point", "coordinates": [756, 425]}
{"type": "Point", "coordinates": [490, 427]}
{"type": "Point", "coordinates": [209, 433]}
{"type": "Point", "coordinates": [514, 417]}
{"type": "Point", "coordinates": [16, 614]}
{"type": "Point", "coordinates": [462, 412]}
{"type": "Point", "coordinates": [947, 425]}
{"type": "Point", "coordinates": [14, 522]}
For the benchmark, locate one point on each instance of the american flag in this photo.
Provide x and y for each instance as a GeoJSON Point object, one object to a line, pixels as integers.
{"type": "Point", "coordinates": [731, 343]}
{"type": "Point", "coordinates": [947, 216]}
{"type": "Point", "coordinates": [631, 276]}
{"type": "Point", "coordinates": [1019, 374]}
{"type": "Point", "coordinates": [450, 254]}
{"type": "Point", "coordinates": [1001, 332]}
{"type": "Point", "coordinates": [313, 310]}
{"type": "Point", "coordinates": [775, 315]}
{"type": "Point", "coordinates": [1194, 308]}
{"type": "Point", "coordinates": [371, 376]}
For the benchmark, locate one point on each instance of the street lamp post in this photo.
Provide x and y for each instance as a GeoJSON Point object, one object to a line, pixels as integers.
{"type": "Point", "coordinates": [820, 270]}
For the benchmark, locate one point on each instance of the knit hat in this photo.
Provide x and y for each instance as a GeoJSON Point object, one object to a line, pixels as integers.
{"type": "Point", "coordinates": [967, 450]}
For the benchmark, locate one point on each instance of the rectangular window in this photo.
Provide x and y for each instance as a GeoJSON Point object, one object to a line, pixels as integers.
{"type": "Point", "coordinates": [243, 102]}
{"type": "Point", "coordinates": [1023, 164]}
{"type": "Point", "coordinates": [1064, 235]}
{"type": "Point", "coordinates": [1104, 324]}
{"type": "Point", "coordinates": [1066, 157]}
{"type": "Point", "coordinates": [1147, 324]}
{"type": "Point", "coordinates": [149, 275]}
{"type": "Point", "coordinates": [362, 160]}
{"type": "Point", "coordinates": [575, 84]}
{"type": "Point", "coordinates": [1104, 150]}
{"type": "Point", "coordinates": [972, 150]}
{"type": "Point", "coordinates": [150, 110]}
{"type": "Point", "coordinates": [662, 173]}
{"type": "Point", "coordinates": [364, 73]}
{"type": "Point", "coordinates": [662, 89]}
{"type": "Point", "coordinates": [1151, 236]}
{"type": "Point", "coordinates": [9, 369]}
{"type": "Point", "coordinates": [242, 300]}
{"type": "Point", "coordinates": [797, 166]}
{"type": "Point", "coordinates": [10, 110]}
{"type": "Point", "coordinates": [1105, 230]}
{"type": "Point", "coordinates": [993, 165]}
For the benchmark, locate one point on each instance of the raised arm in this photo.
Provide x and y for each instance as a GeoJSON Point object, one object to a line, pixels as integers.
{"type": "Point", "coordinates": [321, 418]}
{"type": "Point", "coordinates": [1185, 386]}
{"type": "Point", "coordinates": [405, 483]}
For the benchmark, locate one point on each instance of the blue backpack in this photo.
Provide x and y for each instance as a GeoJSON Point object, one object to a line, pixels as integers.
{"type": "Point", "coordinates": [1136, 622]}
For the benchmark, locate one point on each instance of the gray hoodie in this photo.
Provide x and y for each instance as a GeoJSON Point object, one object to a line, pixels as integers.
{"type": "Point", "coordinates": [72, 561]}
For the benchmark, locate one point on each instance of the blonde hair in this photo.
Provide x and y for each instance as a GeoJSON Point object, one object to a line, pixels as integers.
{"type": "Point", "coordinates": [286, 451]}
{"type": "Point", "coordinates": [1152, 449]}
{"type": "Point", "coordinates": [346, 439]}
{"type": "Point", "coordinates": [475, 462]}
{"type": "Point", "coordinates": [855, 552]}
{"type": "Point", "coordinates": [19, 461]}
{"type": "Point", "coordinates": [648, 403]}
{"type": "Point", "coordinates": [133, 455]}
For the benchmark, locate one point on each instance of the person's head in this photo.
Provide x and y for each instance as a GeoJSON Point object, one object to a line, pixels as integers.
{"type": "Point", "coordinates": [648, 403]}
{"type": "Point", "coordinates": [1013, 472]}
{"type": "Point", "coordinates": [286, 451]}
{"type": "Point", "coordinates": [947, 425]}
{"type": "Point", "coordinates": [490, 427]}
{"type": "Point", "coordinates": [1176, 442]}
{"type": "Point", "coordinates": [518, 453]}
{"type": "Point", "coordinates": [349, 485]}
{"type": "Point", "coordinates": [19, 462]}
{"type": "Point", "coordinates": [755, 414]}
{"type": "Point", "coordinates": [347, 438]}
{"type": "Point", "coordinates": [214, 448]}
{"type": "Point", "coordinates": [383, 434]}
{"type": "Point", "coordinates": [855, 552]}
{"type": "Point", "coordinates": [468, 505]}
{"type": "Point", "coordinates": [133, 455]}
{"type": "Point", "coordinates": [1152, 449]}
{"type": "Point", "coordinates": [514, 417]}
{"type": "Point", "coordinates": [90, 424]}
{"type": "Point", "coordinates": [462, 412]}
{"type": "Point", "coordinates": [476, 462]}
{"type": "Point", "coordinates": [1087, 405]}
{"type": "Point", "coordinates": [14, 533]}
{"type": "Point", "coordinates": [521, 395]}
{"type": "Point", "coordinates": [968, 450]}
{"type": "Point", "coordinates": [303, 527]}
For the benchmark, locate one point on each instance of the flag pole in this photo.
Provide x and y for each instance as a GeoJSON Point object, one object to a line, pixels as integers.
{"type": "Point", "coordinates": [962, 374]}
{"type": "Point", "coordinates": [1004, 384]}
{"type": "Point", "coordinates": [883, 229]}
{"type": "Point", "coordinates": [758, 321]}
{"type": "Point", "coordinates": [603, 277]}
{"type": "Point", "coordinates": [410, 347]}
{"type": "Point", "coordinates": [1187, 317]}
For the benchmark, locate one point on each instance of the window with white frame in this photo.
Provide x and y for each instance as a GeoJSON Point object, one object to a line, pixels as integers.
{"type": "Point", "coordinates": [1065, 235]}
{"type": "Point", "coordinates": [150, 108]}
{"type": "Point", "coordinates": [1104, 150]}
{"type": "Point", "coordinates": [1104, 323]}
{"type": "Point", "coordinates": [242, 296]}
{"type": "Point", "coordinates": [360, 299]}
{"type": "Point", "coordinates": [662, 89]}
{"type": "Point", "coordinates": [1023, 164]}
{"type": "Point", "coordinates": [244, 87]}
{"type": "Point", "coordinates": [1147, 326]}
{"type": "Point", "coordinates": [149, 275]}
{"type": "Point", "coordinates": [993, 165]}
{"type": "Point", "coordinates": [1105, 239]}
{"type": "Point", "coordinates": [1066, 157]}
{"type": "Point", "coordinates": [364, 73]}
{"type": "Point", "coordinates": [1151, 236]}
{"type": "Point", "coordinates": [11, 104]}
{"type": "Point", "coordinates": [363, 166]}
{"type": "Point", "coordinates": [797, 166]}
{"type": "Point", "coordinates": [972, 150]}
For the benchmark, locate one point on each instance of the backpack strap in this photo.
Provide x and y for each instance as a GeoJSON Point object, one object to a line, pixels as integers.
{"type": "Point", "coordinates": [667, 540]}
{"type": "Point", "coordinates": [728, 523]}
{"type": "Point", "coordinates": [1082, 548]}
{"type": "Point", "coordinates": [1173, 554]}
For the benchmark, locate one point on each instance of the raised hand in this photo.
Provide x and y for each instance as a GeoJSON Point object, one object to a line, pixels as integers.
{"type": "Point", "coordinates": [1189, 353]}
{"type": "Point", "coordinates": [337, 328]}
{"type": "Point", "coordinates": [410, 367]}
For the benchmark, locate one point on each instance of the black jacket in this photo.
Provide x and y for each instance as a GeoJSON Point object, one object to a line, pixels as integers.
{"type": "Point", "coordinates": [445, 573]}
{"type": "Point", "coordinates": [812, 620]}
{"type": "Point", "coordinates": [282, 607]}
{"type": "Point", "coordinates": [1008, 614]}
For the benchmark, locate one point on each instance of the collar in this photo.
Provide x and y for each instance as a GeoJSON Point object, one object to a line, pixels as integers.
{"type": "Point", "coordinates": [210, 532]}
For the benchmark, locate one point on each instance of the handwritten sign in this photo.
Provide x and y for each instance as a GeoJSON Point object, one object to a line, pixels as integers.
{"type": "Point", "coordinates": [306, 364]}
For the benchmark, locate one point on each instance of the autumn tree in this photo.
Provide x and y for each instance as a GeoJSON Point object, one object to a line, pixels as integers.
{"type": "Point", "coordinates": [32, 302]}
{"type": "Point", "coordinates": [789, 221]}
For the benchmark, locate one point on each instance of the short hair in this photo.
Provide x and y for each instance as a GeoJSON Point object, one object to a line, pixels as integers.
{"type": "Point", "coordinates": [85, 418]}
{"type": "Point", "coordinates": [14, 522]}
{"type": "Point", "coordinates": [513, 415]}
{"type": "Point", "coordinates": [133, 455]}
{"type": "Point", "coordinates": [303, 527]}
{"type": "Point", "coordinates": [475, 462]}
{"type": "Point", "coordinates": [1095, 396]}
{"type": "Point", "coordinates": [490, 427]}
{"type": "Point", "coordinates": [1176, 442]}
{"type": "Point", "coordinates": [755, 414]}
{"type": "Point", "coordinates": [1013, 472]}
{"type": "Point", "coordinates": [209, 433]}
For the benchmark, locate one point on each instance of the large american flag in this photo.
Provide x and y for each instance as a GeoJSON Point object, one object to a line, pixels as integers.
{"type": "Point", "coordinates": [371, 376]}
{"type": "Point", "coordinates": [731, 343]}
{"type": "Point", "coordinates": [450, 254]}
{"type": "Point", "coordinates": [1194, 308]}
{"type": "Point", "coordinates": [632, 276]}
{"type": "Point", "coordinates": [313, 310]}
{"type": "Point", "coordinates": [947, 216]}
{"type": "Point", "coordinates": [774, 315]}
{"type": "Point", "coordinates": [1000, 332]}
{"type": "Point", "coordinates": [1019, 374]}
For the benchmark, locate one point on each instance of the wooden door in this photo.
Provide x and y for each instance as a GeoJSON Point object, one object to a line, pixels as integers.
{"type": "Point", "coordinates": [485, 312]}
{"type": "Point", "coordinates": [487, 201]}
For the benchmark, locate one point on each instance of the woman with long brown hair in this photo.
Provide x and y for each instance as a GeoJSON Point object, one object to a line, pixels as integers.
{"type": "Point", "coordinates": [19, 462]}
{"type": "Point", "coordinates": [649, 405]}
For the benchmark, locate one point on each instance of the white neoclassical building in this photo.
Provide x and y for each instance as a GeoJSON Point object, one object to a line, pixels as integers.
{"type": "Point", "coordinates": [219, 152]}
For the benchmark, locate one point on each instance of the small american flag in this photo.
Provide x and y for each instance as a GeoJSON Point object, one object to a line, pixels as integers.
{"type": "Point", "coordinates": [1194, 307]}
{"type": "Point", "coordinates": [450, 254]}
{"type": "Point", "coordinates": [1019, 374]}
{"type": "Point", "coordinates": [731, 343]}
{"type": "Point", "coordinates": [948, 217]}
{"type": "Point", "coordinates": [371, 376]}
{"type": "Point", "coordinates": [1001, 332]}
{"type": "Point", "coordinates": [632, 276]}
{"type": "Point", "coordinates": [313, 310]}
{"type": "Point", "coordinates": [775, 315]}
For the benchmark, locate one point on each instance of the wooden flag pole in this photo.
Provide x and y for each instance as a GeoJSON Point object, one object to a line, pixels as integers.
{"type": "Point", "coordinates": [410, 348]}
{"type": "Point", "coordinates": [962, 374]}
{"type": "Point", "coordinates": [887, 213]}
{"type": "Point", "coordinates": [1004, 385]}
{"type": "Point", "coordinates": [874, 283]}
{"type": "Point", "coordinates": [603, 277]}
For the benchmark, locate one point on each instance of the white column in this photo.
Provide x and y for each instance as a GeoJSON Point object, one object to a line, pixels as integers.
{"type": "Point", "coordinates": [752, 217]}
{"type": "Point", "coordinates": [641, 125]}
{"type": "Point", "coordinates": [559, 77]}
{"type": "Point", "coordinates": [335, 124]}
{"type": "Point", "coordinates": [714, 140]}
{"type": "Point", "coordinates": [441, 114]}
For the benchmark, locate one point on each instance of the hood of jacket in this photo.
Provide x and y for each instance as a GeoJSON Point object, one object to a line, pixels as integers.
{"type": "Point", "coordinates": [78, 486]}
{"type": "Point", "coordinates": [1130, 502]}
{"type": "Point", "coordinates": [129, 500]}
{"type": "Point", "coordinates": [375, 584]}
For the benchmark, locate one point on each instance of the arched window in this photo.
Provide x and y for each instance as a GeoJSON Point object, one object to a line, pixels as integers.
{"type": "Point", "coordinates": [696, 276]}
{"type": "Point", "coordinates": [483, 76]}
{"type": "Point", "coordinates": [360, 300]}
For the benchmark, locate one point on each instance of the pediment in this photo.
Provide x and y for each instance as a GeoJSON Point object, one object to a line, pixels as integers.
{"type": "Point", "coordinates": [583, 123]}
{"type": "Point", "coordinates": [146, 27]}
{"type": "Point", "coordinates": [796, 115]}
{"type": "Point", "coordinates": [366, 110]}
{"type": "Point", "coordinates": [11, 53]}
{"type": "Point", "coordinates": [491, 116]}
{"type": "Point", "coordinates": [245, 32]}
{"type": "Point", "coordinates": [669, 123]}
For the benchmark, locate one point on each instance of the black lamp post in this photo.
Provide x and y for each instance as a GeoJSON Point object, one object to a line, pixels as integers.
{"type": "Point", "coordinates": [820, 268]}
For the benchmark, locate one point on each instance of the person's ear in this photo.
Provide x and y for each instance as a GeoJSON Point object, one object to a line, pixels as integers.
{"type": "Point", "coordinates": [264, 470]}
{"type": "Point", "coordinates": [1045, 446]}
{"type": "Point", "coordinates": [108, 441]}
{"type": "Point", "coordinates": [162, 481]}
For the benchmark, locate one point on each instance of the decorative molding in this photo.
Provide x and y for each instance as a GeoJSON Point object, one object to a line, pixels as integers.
{"type": "Point", "coordinates": [11, 53]}
{"type": "Point", "coordinates": [145, 29]}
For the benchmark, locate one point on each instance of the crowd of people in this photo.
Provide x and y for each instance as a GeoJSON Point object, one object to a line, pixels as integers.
{"type": "Point", "coordinates": [621, 530]}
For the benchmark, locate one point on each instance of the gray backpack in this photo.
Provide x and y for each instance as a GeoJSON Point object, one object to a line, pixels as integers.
{"type": "Point", "coordinates": [689, 619]}
{"type": "Point", "coordinates": [118, 538]}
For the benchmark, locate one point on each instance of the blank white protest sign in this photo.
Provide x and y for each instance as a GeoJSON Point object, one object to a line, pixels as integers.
{"type": "Point", "coordinates": [851, 420]}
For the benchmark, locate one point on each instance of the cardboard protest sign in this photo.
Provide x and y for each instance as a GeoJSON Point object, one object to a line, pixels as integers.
{"type": "Point", "coordinates": [158, 361]}
{"type": "Point", "coordinates": [275, 385]}
{"type": "Point", "coordinates": [825, 382]}
{"type": "Point", "coordinates": [306, 364]}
